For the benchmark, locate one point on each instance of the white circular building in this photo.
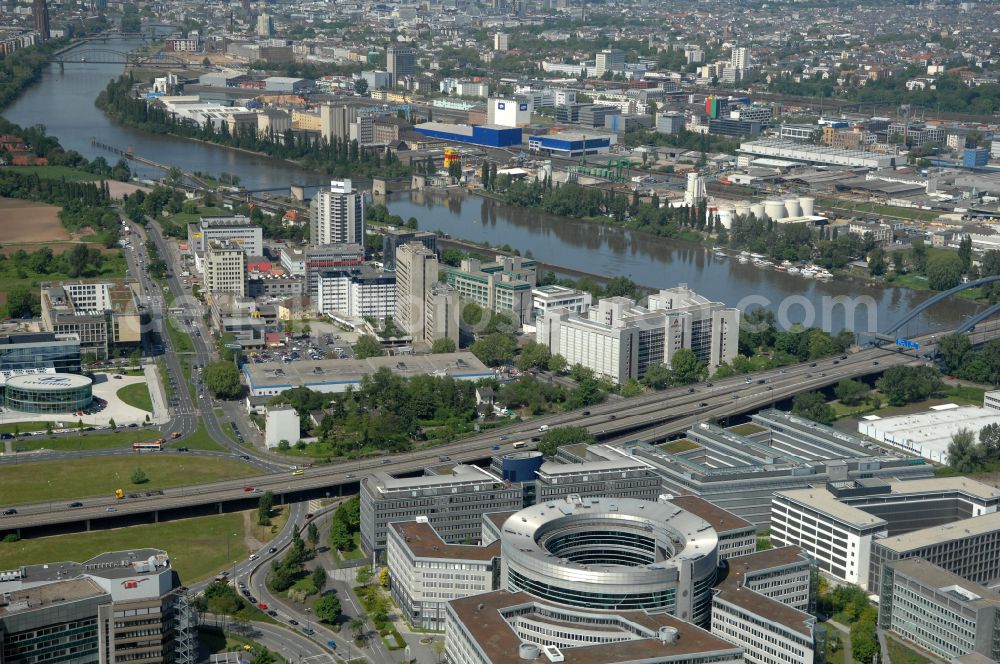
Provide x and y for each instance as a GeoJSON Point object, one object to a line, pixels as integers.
{"type": "Point", "coordinates": [48, 393]}
{"type": "Point", "coordinates": [612, 554]}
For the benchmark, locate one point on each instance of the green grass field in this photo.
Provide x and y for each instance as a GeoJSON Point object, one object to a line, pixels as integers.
{"type": "Point", "coordinates": [137, 396]}
{"type": "Point", "coordinates": [11, 427]}
{"type": "Point", "coordinates": [900, 654]}
{"type": "Point", "coordinates": [56, 173]}
{"type": "Point", "coordinates": [80, 478]}
{"type": "Point", "coordinates": [679, 445]}
{"type": "Point", "coordinates": [94, 441]}
{"type": "Point", "coordinates": [197, 546]}
{"type": "Point", "coordinates": [200, 440]}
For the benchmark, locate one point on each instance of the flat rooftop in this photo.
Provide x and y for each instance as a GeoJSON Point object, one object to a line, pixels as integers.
{"type": "Point", "coordinates": [334, 372]}
{"type": "Point", "coordinates": [461, 473]}
{"type": "Point", "coordinates": [942, 580]}
{"type": "Point", "coordinates": [484, 618]}
{"type": "Point", "coordinates": [956, 530]}
{"type": "Point", "coordinates": [722, 520]}
{"type": "Point", "coordinates": [111, 565]}
{"type": "Point", "coordinates": [49, 594]}
{"type": "Point", "coordinates": [424, 542]}
{"type": "Point", "coordinates": [734, 591]}
{"type": "Point", "coordinates": [928, 433]}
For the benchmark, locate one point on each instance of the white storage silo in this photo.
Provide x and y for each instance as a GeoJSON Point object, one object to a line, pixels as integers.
{"type": "Point", "coordinates": [774, 210]}
{"type": "Point", "coordinates": [808, 203]}
{"type": "Point", "coordinates": [757, 210]}
{"type": "Point", "coordinates": [726, 213]}
{"type": "Point", "coordinates": [792, 207]}
{"type": "Point", "coordinates": [742, 209]}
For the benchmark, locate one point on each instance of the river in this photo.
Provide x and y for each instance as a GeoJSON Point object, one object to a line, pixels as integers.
{"type": "Point", "coordinates": [63, 101]}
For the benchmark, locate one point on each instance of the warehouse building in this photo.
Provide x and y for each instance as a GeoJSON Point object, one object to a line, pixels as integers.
{"type": "Point", "coordinates": [571, 144]}
{"type": "Point", "coordinates": [819, 155]}
{"type": "Point", "coordinates": [333, 376]}
{"type": "Point", "coordinates": [491, 136]}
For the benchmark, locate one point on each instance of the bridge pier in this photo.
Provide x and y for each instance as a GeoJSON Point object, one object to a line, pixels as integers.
{"type": "Point", "coordinates": [220, 507]}
{"type": "Point", "coordinates": [87, 525]}
{"type": "Point", "coordinates": [156, 516]}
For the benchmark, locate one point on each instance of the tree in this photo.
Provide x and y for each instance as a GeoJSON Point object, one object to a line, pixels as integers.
{"type": "Point", "coordinates": [964, 454]}
{"type": "Point", "coordinates": [319, 578]}
{"type": "Point", "coordinates": [443, 345]}
{"type": "Point", "coordinates": [557, 363]}
{"type": "Point", "coordinates": [21, 302]}
{"type": "Point", "coordinates": [327, 609]}
{"type": "Point", "coordinates": [357, 626]}
{"type": "Point", "coordinates": [312, 534]}
{"type": "Point", "coordinates": [919, 251]}
{"type": "Point", "coordinates": [989, 439]}
{"type": "Point", "coordinates": [340, 536]}
{"type": "Point", "coordinates": [813, 406]}
{"type": "Point", "coordinates": [533, 356]}
{"type": "Point", "coordinates": [864, 639]}
{"type": "Point", "coordinates": [223, 379]}
{"type": "Point", "coordinates": [876, 262]}
{"type": "Point", "coordinates": [686, 367]}
{"type": "Point", "coordinates": [264, 507]}
{"type": "Point", "coordinates": [898, 261]}
{"type": "Point", "coordinates": [902, 385]}
{"type": "Point", "coordinates": [944, 271]}
{"type": "Point", "coordinates": [139, 477]}
{"type": "Point", "coordinates": [965, 252]}
{"type": "Point", "coordinates": [368, 346]}
{"type": "Point", "coordinates": [657, 377]}
{"type": "Point", "coordinates": [851, 392]}
{"type": "Point", "coordinates": [495, 348]}
{"type": "Point", "coordinates": [112, 424]}
{"type": "Point", "coordinates": [360, 86]}
{"type": "Point", "coordinates": [174, 176]}
{"type": "Point", "coordinates": [954, 350]}
{"type": "Point", "coordinates": [553, 439]}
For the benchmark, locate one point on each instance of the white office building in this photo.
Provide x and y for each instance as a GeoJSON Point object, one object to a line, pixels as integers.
{"type": "Point", "coordinates": [427, 572]}
{"type": "Point", "coordinates": [761, 606]}
{"type": "Point", "coordinates": [840, 525]}
{"type": "Point", "coordinates": [225, 268]}
{"type": "Point", "coordinates": [357, 292]}
{"type": "Point", "coordinates": [546, 298]}
{"type": "Point", "coordinates": [337, 215]}
{"type": "Point", "coordinates": [282, 424]}
{"type": "Point", "coordinates": [610, 59]}
{"type": "Point", "coordinates": [236, 229]}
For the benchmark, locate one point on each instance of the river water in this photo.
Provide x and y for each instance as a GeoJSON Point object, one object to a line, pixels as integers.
{"type": "Point", "coordinates": [63, 101]}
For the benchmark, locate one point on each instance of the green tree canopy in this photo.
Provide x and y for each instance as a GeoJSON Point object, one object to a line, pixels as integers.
{"type": "Point", "coordinates": [944, 271]}
{"type": "Point", "coordinates": [223, 379]}
{"type": "Point", "coordinates": [813, 406]}
{"type": "Point", "coordinates": [555, 438]}
{"type": "Point", "coordinates": [368, 346]}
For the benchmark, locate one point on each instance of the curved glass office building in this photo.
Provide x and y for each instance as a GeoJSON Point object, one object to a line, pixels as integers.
{"type": "Point", "coordinates": [48, 393]}
{"type": "Point", "coordinates": [613, 554]}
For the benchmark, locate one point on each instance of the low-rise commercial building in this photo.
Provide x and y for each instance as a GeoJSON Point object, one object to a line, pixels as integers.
{"type": "Point", "coordinates": [939, 611]}
{"type": "Point", "coordinates": [103, 315]}
{"type": "Point", "coordinates": [426, 572]}
{"type": "Point", "coordinates": [38, 352]}
{"type": "Point", "coordinates": [814, 154]}
{"type": "Point", "coordinates": [272, 378]}
{"type": "Point", "coordinates": [242, 317]}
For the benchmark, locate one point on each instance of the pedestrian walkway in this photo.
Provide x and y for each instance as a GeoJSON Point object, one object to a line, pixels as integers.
{"type": "Point", "coordinates": [161, 414]}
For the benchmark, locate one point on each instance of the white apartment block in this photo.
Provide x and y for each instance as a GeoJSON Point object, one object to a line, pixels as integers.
{"type": "Point", "coordinates": [337, 215]}
{"type": "Point", "coordinates": [620, 340]}
{"type": "Point", "coordinates": [427, 572]}
{"type": "Point", "coordinates": [761, 606]}
{"type": "Point", "coordinates": [416, 271]}
{"type": "Point", "coordinates": [225, 268]}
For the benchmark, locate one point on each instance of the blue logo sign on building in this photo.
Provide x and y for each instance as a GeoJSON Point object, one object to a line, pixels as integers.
{"type": "Point", "coordinates": [501, 106]}
{"type": "Point", "coordinates": [524, 107]}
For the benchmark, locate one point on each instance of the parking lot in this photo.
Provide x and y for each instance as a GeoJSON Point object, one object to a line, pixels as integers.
{"type": "Point", "coordinates": [314, 347]}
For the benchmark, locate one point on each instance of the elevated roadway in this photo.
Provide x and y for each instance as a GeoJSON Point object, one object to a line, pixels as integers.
{"type": "Point", "coordinates": [652, 417]}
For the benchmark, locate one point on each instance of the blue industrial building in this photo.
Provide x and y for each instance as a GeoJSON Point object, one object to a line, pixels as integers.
{"type": "Point", "coordinates": [570, 144]}
{"type": "Point", "coordinates": [975, 157]}
{"type": "Point", "coordinates": [492, 136]}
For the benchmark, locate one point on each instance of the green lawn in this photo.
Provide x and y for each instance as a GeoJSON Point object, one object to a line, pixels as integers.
{"type": "Point", "coordinates": [197, 546]}
{"type": "Point", "coordinates": [680, 445]}
{"type": "Point", "coordinates": [94, 441]}
{"type": "Point", "coordinates": [56, 173]}
{"type": "Point", "coordinates": [11, 427]}
{"type": "Point", "coordinates": [900, 654]}
{"type": "Point", "coordinates": [746, 429]}
{"type": "Point", "coordinates": [200, 440]}
{"type": "Point", "coordinates": [137, 396]}
{"type": "Point", "coordinates": [181, 340]}
{"type": "Point", "coordinates": [80, 478]}
{"type": "Point", "coordinates": [912, 281]}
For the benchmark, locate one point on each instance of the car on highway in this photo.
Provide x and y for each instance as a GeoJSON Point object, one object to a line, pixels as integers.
{"type": "Point", "coordinates": [262, 606]}
{"type": "Point", "coordinates": [495, 448]}
{"type": "Point", "coordinates": [309, 516]}
{"type": "Point", "coordinates": [308, 631]}
{"type": "Point", "coordinates": [10, 512]}
{"type": "Point", "coordinates": [272, 613]}
{"type": "Point", "coordinates": [874, 363]}
{"type": "Point", "coordinates": [248, 488]}
{"type": "Point", "coordinates": [110, 509]}
{"type": "Point", "coordinates": [331, 644]}
{"type": "Point", "coordinates": [76, 504]}
{"type": "Point", "coordinates": [273, 549]}
{"type": "Point", "coordinates": [386, 461]}
{"type": "Point", "coordinates": [298, 472]}
{"type": "Point", "coordinates": [293, 621]}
